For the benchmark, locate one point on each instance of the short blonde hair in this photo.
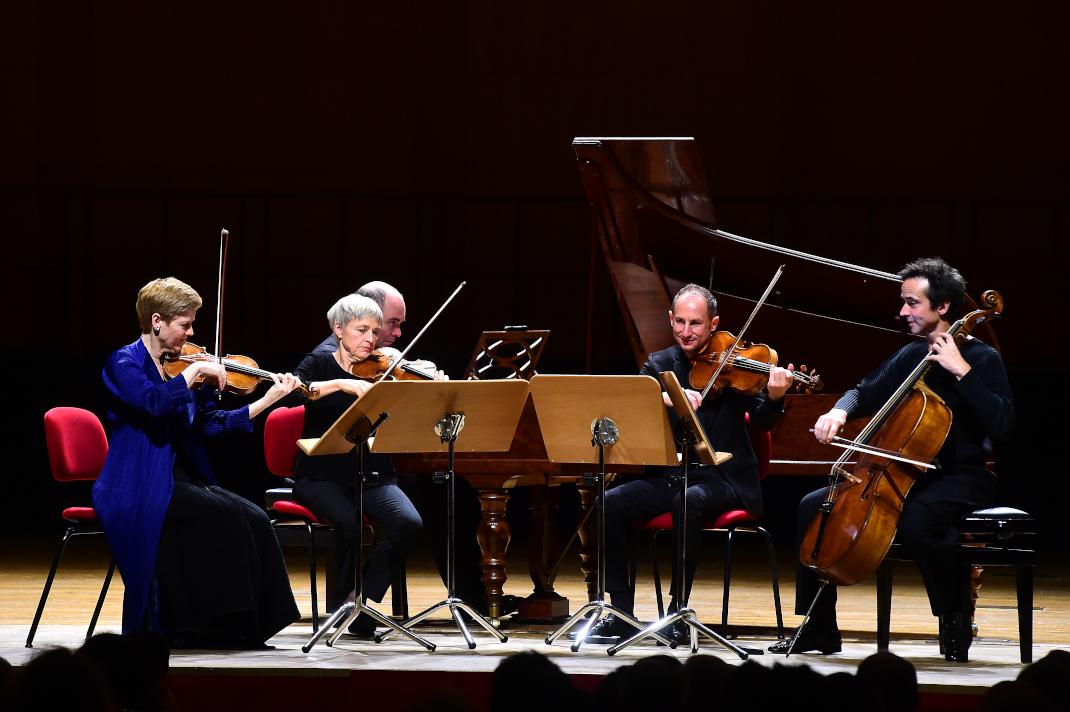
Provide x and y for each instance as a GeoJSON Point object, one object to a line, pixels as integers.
{"type": "Point", "coordinates": [167, 297]}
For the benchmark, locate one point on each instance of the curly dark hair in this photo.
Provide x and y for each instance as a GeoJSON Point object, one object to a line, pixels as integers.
{"type": "Point", "coordinates": [946, 284]}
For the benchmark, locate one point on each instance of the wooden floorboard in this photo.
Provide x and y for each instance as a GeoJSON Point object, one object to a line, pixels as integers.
{"type": "Point", "coordinates": [994, 656]}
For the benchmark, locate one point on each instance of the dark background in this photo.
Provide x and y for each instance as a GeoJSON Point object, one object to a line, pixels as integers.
{"type": "Point", "coordinates": [426, 143]}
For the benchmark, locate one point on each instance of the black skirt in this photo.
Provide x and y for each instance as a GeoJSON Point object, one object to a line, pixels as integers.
{"type": "Point", "coordinates": [220, 581]}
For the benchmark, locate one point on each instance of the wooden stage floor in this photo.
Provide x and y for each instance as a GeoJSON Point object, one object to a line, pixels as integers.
{"type": "Point", "coordinates": [994, 655]}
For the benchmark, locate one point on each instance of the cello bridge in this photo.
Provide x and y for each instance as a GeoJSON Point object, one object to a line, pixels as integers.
{"type": "Point", "coordinates": [848, 476]}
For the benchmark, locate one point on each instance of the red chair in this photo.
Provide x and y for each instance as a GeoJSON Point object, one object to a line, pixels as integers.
{"type": "Point", "coordinates": [730, 522]}
{"type": "Point", "coordinates": [282, 429]}
{"type": "Point", "coordinates": [77, 447]}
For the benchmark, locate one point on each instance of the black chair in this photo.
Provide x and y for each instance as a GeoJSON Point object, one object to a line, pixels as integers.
{"type": "Point", "coordinates": [1000, 536]}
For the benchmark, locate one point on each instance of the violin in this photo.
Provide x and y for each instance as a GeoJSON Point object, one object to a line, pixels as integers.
{"type": "Point", "coordinates": [380, 363]}
{"type": "Point", "coordinates": [747, 369]}
{"type": "Point", "coordinates": [243, 373]}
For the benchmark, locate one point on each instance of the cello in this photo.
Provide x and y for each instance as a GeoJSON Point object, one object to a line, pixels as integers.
{"type": "Point", "coordinates": [855, 525]}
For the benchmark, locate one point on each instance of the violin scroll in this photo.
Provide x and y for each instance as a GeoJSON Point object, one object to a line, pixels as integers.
{"type": "Point", "coordinates": [993, 300]}
{"type": "Point", "coordinates": [809, 385]}
{"type": "Point", "coordinates": [992, 308]}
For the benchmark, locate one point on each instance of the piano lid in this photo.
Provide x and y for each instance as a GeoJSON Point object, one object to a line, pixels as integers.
{"type": "Point", "coordinates": [654, 200]}
{"type": "Point", "coordinates": [655, 222]}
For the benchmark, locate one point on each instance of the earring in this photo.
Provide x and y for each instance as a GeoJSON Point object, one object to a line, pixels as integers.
{"type": "Point", "coordinates": [156, 331]}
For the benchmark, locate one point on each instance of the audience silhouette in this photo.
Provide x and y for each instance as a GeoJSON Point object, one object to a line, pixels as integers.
{"type": "Point", "coordinates": [109, 672]}
{"type": "Point", "coordinates": [112, 672]}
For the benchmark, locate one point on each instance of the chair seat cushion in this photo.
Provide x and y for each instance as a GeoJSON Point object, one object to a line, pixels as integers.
{"type": "Point", "coordinates": [290, 508]}
{"type": "Point", "coordinates": [79, 514]}
{"type": "Point", "coordinates": [731, 518]}
{"type": "Point", "coordinates": [1003, 522]}
{"type": "Point", "coordinates": [293, 509]}
{"type": "Point", "coordinates": [998, 513]}
{"type": "Point", "coordinates": [727, 519]}
{"type": "Point", "coordinates": [662, 521]}
{"type": "Point", "coordinates": [276, 494]}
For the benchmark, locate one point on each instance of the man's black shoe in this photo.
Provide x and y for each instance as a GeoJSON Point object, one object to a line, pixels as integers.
{"type": "Point", "coordinates": [510, 604]}
{"type": "Point", "coordinates": [678, 632]}
{"type": "Point", "coordinates": [810, 642]}
{"type": "Point", "coordinates": [607, 630]}
{"type": "Point", "coordinates": [362, 627]}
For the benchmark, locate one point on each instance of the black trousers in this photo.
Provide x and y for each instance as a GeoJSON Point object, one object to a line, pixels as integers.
{"type": "Point", "coordinates": [430, 501]}
{"type": "Point", "coordinates": [220, 576]}
{"type": "Point", "coordinates": [395, 520]}
{"type": "Point", "coordinates": [926, 529]}
{"type": "Point", "coordinates": [708, 495]}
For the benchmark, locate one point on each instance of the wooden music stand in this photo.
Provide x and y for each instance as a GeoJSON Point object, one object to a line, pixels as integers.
{"type": "Point", "coordinates": [617, 420]}
{"type": "Point", "coordinates": [684, 411]}
{"type": "Point", "coordinates": [508, 354]}
{"type": "Point", "coordinates": [689, 434]}
{"type": "Point", "coordinates": [451, 416]}
{"type": "Point", "coordinates": [355, 428]}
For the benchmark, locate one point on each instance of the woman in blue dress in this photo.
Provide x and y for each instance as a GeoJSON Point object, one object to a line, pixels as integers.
{"type": "Point", "coordinates": [200, 564]}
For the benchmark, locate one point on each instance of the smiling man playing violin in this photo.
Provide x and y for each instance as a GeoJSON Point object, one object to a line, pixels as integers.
{"type": "Point", "coordinates": [712, 490]}
{"type": "Point", "coordinates": [973, 384]}
{"type": "Point", "coordinates": [200, 565]}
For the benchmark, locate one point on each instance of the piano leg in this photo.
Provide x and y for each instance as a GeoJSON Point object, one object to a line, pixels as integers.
{"type": "Point", "coordinates": [544, 557]}
{"type": "Point", "coordinates": [493, 535]}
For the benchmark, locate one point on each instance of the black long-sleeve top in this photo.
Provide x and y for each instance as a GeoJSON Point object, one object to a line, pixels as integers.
{"type": "Point", "coordinates": [981, 403]}
{"type": "Point", "coordinates": [723, 420]}
{"type": "Point", "coordinates": [320, 414]}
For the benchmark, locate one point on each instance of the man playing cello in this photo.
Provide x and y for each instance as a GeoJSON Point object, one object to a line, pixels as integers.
{"type": "Point", "coordinates": [973, 383]}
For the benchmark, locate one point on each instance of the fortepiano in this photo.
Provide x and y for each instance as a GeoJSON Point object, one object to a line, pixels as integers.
{"type": "Point", "coordinates": [494, 476]}
{"type": "Point", "coordinates": [655, 229]}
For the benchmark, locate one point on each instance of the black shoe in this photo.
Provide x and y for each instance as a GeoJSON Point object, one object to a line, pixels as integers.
{"type": "Point", "coordinates": [811, 641]}
{"type": "Point", "coordinates": [510, 604]}
{"type": "Point", "coordinates": [607, 630]}
{"type": "Point", "coordinates": [362, 627]}
{"type": "Point", "coordinates": [677, 632]}
{"type": "Point", "coordinates": [956, 634]}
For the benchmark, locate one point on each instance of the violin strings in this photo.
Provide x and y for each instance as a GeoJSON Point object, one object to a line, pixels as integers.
{"type": "Point", "coordinates": [762, 367]}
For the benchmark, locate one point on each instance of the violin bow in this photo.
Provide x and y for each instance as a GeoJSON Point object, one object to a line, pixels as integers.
{"type": "Point", "coordinates": [224, 241]}
{"type": "Point", "coordinates": [743, 330]}
{"type": "Point", "coordinates": [416, 338]}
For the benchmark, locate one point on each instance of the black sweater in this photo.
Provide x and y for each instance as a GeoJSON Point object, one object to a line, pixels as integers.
{"type": "Point", "coordinates": [320, 414]}
{"type": "Point", "coordinates": [981, 403]}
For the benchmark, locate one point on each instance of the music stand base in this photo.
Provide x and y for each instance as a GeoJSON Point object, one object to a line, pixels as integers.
{"type": "Point", "coordinates": [600, 608]}
{"type": "Point", "coordinates": [347, 613]}
{"type": "Point", "coordinates": [690, 619]}
{"type": "Point", "coordinates": [455, 605]}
